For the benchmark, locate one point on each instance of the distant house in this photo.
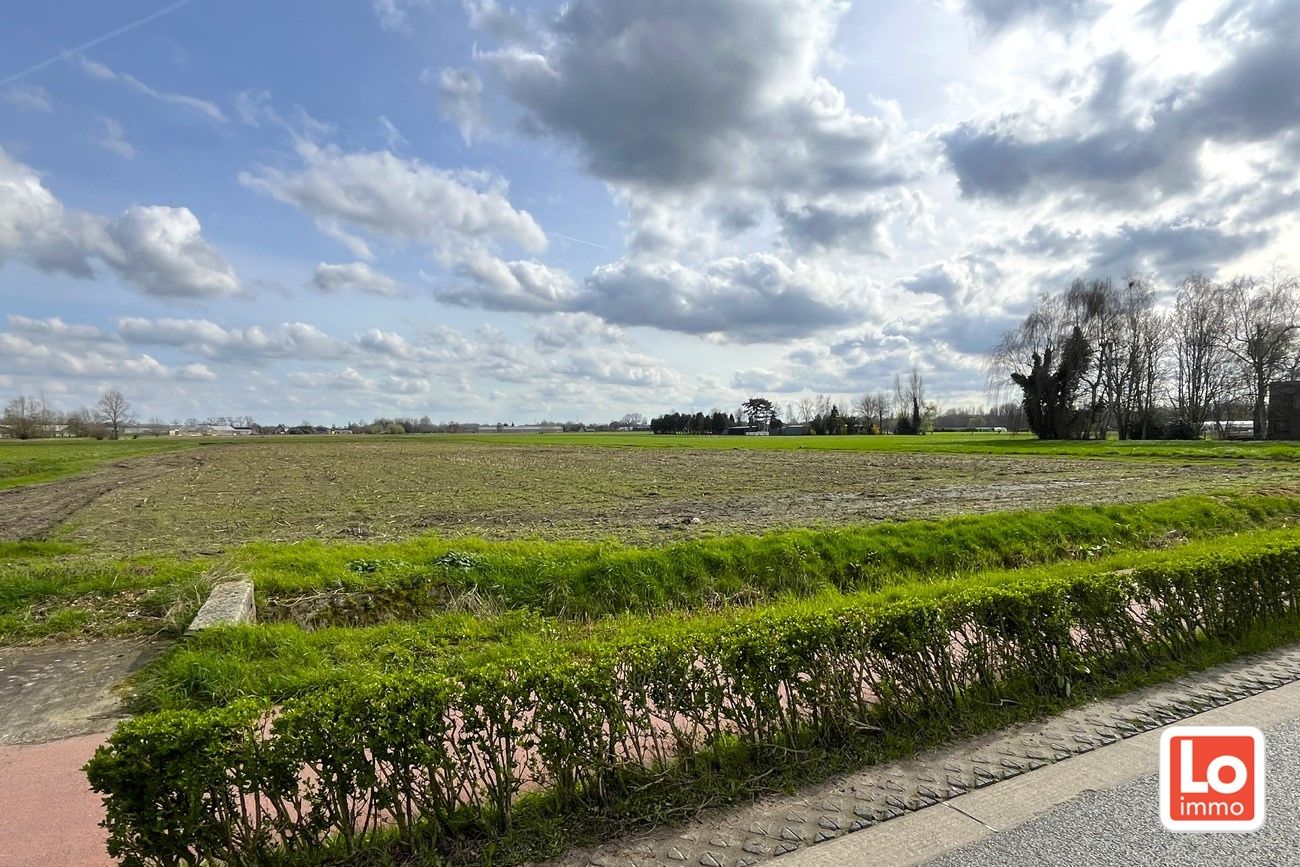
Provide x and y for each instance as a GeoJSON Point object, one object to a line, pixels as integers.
{"type": "Point", "coordinates": [793, 430]}
{"type": "Point", "coordinates": [532, 428]}
{"type": "Point", "coordinates": [1284, 410]}
{"type": "Point", "coordinates": [340, 431]}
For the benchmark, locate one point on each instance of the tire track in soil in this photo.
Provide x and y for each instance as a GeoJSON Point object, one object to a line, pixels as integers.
{"type": "Point", "coordinates": [32, 511]}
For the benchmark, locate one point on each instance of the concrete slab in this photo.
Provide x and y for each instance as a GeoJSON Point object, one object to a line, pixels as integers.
{"type": "Point", "coordinates": [230, 602]}
{"type": "Point", "coordinates": [64, 690]}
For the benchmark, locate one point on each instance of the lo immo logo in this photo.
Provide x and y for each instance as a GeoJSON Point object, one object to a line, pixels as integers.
{"type": "Point", "coordinates": [1212, 778]}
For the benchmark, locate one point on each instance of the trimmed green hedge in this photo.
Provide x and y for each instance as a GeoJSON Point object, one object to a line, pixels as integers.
{"type": "Point", "coordinates": [440, 760]}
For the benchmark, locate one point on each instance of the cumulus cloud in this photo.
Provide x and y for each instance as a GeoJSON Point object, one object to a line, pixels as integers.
{"type": "Point", "coordinates": [44, 348]}
{"type": "Point", "coordinates": [683, 93]}
{"type": "Point", "coordinates": [998, 15]}
{"type": "Point", "coordinates": [158, 249]}
{"type": "Point", "coordinates": [562, 331]}
{"type": "Point", "coordinates": [710, 121]}
{"type": "Point", "coordinates": [526, 286]}
{"type": "Point", "coordinates": [356, 276]}
{"type": "Point", "coordinates": [1115, 156]}
{"type": "Point", "coordinates": [161, 250]}
{"type": "Point", "coordinates": [755, 298]}
{"type": "Point", "coordinates": [292, 340]}
{"type": "Point", "coordinates": [381, 195]}
{"type": "Point", "coordinates": [349, 379]}
{"type": "Point", "coordinates": [192, 104]}
{"type": "Point", "coordinates": [830, 224]}
{"type": "Point", "coordinates": [395, 14]}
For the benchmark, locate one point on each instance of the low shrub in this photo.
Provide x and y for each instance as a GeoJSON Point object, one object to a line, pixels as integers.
{"type": "Point", "coordinates": [442, 760]}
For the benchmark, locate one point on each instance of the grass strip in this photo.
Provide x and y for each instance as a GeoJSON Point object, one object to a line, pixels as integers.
{"type": "Point", "coordinates": [367, 583]}
{"type": "Point", "coordinates": [281, 661]}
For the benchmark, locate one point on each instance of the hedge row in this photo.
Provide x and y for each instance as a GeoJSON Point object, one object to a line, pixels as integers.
{"type": "Point", "coordinates": [438, 760]}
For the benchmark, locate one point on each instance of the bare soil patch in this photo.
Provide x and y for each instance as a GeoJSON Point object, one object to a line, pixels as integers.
{"type": "Point", "coordinates": [390, 490]}
{"type": "Point", "coordinates": [33, 511]}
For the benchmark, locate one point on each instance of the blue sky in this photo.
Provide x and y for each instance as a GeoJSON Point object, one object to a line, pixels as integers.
{"type": "Point", "coordinates": [487, 211]}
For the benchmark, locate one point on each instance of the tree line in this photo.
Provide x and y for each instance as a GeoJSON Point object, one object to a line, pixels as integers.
{"type": "Point", "coordinates": [903, 410]}
{"type": "Point", "coordinates": [1102, 356]}
{"type": "Point", "coordinates": [30, 417]}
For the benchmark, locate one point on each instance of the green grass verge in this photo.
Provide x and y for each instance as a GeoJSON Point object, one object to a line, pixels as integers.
{"type": "Point", "coordinates": [360, 583]}
{"type": "Point", "coordinates": [56, 590]}
{"type": "Point", "coordinates": [282, 661]}
{"type": "Point", "coordinates": [53, 590]}
{"type": "Point", "coordinates": [26, 462]}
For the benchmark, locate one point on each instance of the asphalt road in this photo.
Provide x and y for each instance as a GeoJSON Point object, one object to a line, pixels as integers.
{"type": "Point", "coordinates": [1121, 826]}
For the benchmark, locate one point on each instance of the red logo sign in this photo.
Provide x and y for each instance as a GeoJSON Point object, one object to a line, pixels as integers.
{"type": "Point", "coordinates": [1212, 778]}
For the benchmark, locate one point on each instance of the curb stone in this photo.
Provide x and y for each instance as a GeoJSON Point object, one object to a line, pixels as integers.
{"type": "Point", "coordinates": [229, 602]}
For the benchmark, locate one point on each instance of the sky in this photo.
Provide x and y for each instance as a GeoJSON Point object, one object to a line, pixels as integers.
{"type": "Point", "coordinates": [485, 211]}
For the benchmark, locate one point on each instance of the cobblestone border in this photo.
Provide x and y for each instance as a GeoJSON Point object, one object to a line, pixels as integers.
{"type": "Point", "coordinates": [776, 825]}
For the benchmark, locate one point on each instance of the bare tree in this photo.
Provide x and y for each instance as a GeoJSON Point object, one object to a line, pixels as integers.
{"type": "Point", "coordinates": [114, 411]}
{"type": "Point", "coordinates": [910, 397]}
{"type": "Point", "coordinates": [807, 409]}
{"type": "Point", "coordinates": [874, 408]}
{"type": "Point", "coordinates": [1130, 350]}
{"type": "Point", "coordinates": [1260, 333]}
{"type": "Point", "coordinates": [27, 417]}
{"type": "Point", "coordinates": [1201, 372]}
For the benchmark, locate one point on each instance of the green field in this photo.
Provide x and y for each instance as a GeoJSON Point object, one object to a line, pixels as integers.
{"type": "Point", "coordinates": [33, 461]}
{"type": "Point", "coordinates": [28, 462]}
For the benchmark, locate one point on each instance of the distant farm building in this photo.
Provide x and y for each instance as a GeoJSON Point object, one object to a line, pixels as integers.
{"type": "Point", "coordinates": [210, 430]}
{"type": "Point", "coordinates": [1230, 430]}
{"type": "Point", "coordinates": [793, 430]}
{"type": "Point", "coordinates": [1284, 410]}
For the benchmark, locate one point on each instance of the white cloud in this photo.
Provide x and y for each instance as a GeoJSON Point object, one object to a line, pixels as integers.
{"type": "Point", "coordinates": [114, 139]}
{"type": "Point", "coordinates": [50, 348]}
{"type": "Point", "coordinates": [192, 104]}
{"type": "Point", "coordinates": [461, 101]}
{"type": "Point", "coordinates": [159, 249]}
{"type": "Point", "coordinates": [296, 341]}
{"type": "Point", "coordinates": [524, 285]}
{"type": "Point", "coordinates": [356, 276]}
{"type": "Point", "coordinates": [31, 97]}
{"type": "Point", "coordinates": [381, 195]}
{"type": "Point", "coordinates": [392, 135]}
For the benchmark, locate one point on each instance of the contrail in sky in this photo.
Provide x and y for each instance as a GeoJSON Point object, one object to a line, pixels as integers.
{"type": "Point", "coordinates": [578, 240]}
{"type": "Point", "coordinates": [50, 61]}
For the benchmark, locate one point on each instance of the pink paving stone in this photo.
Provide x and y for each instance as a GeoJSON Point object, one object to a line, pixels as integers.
{"type": "Point", "coordinates": [48, 814]}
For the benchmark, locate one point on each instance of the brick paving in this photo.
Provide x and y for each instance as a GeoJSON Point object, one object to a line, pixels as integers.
{"type": "Point", "coordinates": [776, 825]}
